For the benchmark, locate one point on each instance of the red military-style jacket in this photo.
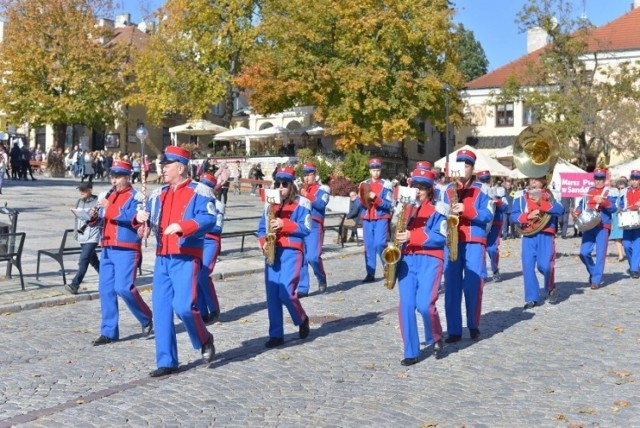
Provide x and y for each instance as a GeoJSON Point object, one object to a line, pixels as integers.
{"type": "Point", "coordinates": [477, 213]}
{"type": "Point", "coordinates": [117, 230]}
{"type": "Point", "coordinates": [606, 208]}
{"type": "Point", "coordinates": [296, 223]}
{"type": "Point", "coordinates": [427, 230]}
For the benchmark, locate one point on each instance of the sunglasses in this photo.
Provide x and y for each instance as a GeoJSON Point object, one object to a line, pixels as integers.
{"type": "Point", "coordinates": [284, 184]}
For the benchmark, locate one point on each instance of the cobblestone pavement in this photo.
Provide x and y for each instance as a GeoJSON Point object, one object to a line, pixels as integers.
{"type": "Point", "coordinates": [556, 365]}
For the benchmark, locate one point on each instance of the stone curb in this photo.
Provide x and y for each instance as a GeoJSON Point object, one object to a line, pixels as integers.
{"type": "Point", "coordinates": [66, 299]}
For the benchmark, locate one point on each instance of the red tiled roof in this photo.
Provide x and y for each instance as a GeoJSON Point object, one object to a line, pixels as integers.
{"type": "Point", "coordinates": [129, 35]}
{"type": "Point", "coordinates": [621, 34]}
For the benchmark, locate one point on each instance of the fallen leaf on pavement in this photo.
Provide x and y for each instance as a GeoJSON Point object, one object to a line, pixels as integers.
{"type": "Point", "coordinates": [622, 373]}
{"type": "Point", "coordinates": [619, 329]}
{"type": "Point", "coordinates": [622, 403]}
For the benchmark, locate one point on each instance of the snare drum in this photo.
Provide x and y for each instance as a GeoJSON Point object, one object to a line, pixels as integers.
{"type": "Point", "coordinates": [588, 219]}
{"type": "Point", "coordinates": [629, 220]}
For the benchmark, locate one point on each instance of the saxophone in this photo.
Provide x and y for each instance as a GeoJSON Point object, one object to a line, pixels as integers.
{"type": "Point", "coordinates": [270, 238]}
{"type": "Point", "coordinates": [452, 228]}
{"type": "Point", "coordinates": [392, 254]}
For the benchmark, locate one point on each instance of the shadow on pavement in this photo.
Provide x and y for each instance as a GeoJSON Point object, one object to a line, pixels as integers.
{"type": "Point", "coordinates": [253, 347]}
{"type": "Point", "coordinates": [491, 323]}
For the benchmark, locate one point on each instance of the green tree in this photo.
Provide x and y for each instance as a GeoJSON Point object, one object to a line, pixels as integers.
{"type": "Point", "coordinates": [369, 67]}
{"type": "Point", "coordinates": [588, 103]}
{"type": "Point", "coordinates": [355, 166]}
{"type": "Point", "coordinates": [192, 59]}
{"type": "Point", "coordinates": [473, 60]}
{"type": "Point", "coordinates": [55, 68]}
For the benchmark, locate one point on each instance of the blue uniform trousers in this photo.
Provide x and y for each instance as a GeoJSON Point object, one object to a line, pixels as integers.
{"type": "Point", "coordinates": [631, 244]}
{"type": "Point", "coordinates": [375, 237]}
{"type": "Point", "coordinates": [117, 278]}
{"type": "Point", "coordinates": [598, 237]}
{"type": "Point", "coordinates": [464, 276]}
{"type": "Point", "coordinates": [313, 257]}
{"type": "Point", "coordinates": [540, 250]}
{"type": "Point", "coordinates": [493, 250]}
{"type": "Point", "coordinates": [281, 281]}
{"type": "Point", "coordinates": [175, 289]}
{"type": "Point", "coordinates": [207, 296]}
{"type": "Point", "coordinates": [418, 281]}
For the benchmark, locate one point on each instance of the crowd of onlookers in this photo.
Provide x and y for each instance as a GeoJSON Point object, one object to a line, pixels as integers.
{"type": "Point", "coordinates": [94, 165]}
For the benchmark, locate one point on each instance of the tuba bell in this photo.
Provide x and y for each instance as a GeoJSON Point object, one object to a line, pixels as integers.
{"type": "Point", "coordinates": [535, 153]}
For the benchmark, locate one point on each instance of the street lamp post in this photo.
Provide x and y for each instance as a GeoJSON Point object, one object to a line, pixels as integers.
{"type": "Point", "coordinates": [447, 89]}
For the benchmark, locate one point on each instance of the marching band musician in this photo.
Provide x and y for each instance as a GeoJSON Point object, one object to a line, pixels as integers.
{"type": "Point", "coordinates": [291, 222]}
{"type": "Point", "coordinates": [318, 195]}
{"type": "Point", "coordinates": [493, 237]}
{"type": "Point", "coordinates": [208, 298]}
{"type": "Point", "coordinates": [180, 213]}
{"type": "Point", "coordinates": [375, 209]}
{"type": "Point", "coordinates": [539, 247]}
{"type": "Point", "coordinates": [630, 201]}
{"type": "Point", "coordinates": [420, 269]}
{"type": "Point", "coordinates": [598, 199]}
{"type": "Point", "coordinates": [464, 275]}
{"type": "Point", "coordinates": [121, 252]}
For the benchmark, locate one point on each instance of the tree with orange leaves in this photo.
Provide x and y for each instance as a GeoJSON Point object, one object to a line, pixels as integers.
{"type": "Point", "coordinates": [55, 67]}
{"type": "Point", "coordinates": [370, 67]}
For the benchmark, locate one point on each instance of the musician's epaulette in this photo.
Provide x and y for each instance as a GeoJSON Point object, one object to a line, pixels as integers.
{"type": "Point", "coordinates": [325, 188]}
{"type": "Point", "coordinates": [443, 208]}
{"type": "Point", "coordinates": [387, 184]}
{"type": "Point", "coordinates": [204, 190]}
{"type": "Point", "coordinates": [156, 193]}
{"type": "Point", "coordinates": [485, 188]}
{"type": "Point", "coordinates": [518, 194]}
{"type": "Point", "coordinates": [138, 196]}
{"type": "Point", "coordinates": [304, 202]}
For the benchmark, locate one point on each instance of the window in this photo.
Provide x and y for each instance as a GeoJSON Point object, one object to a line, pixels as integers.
{"type": "Point", "coordinates": [166, 137]}
{"type": "Point", "coordinates": [504, 114]}
{"type": "Point", "coordinates": [41, 138]}
{"type": "Point", "coordinates": [420, 147]}
{"type": "Point", "coordinates": [112, 141]}
{"type": "Point", "coordinates": [530, 115]}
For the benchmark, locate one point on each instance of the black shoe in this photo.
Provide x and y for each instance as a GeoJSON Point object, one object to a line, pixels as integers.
{"type": "Point", "coordinates": [474, 333]}
{"type": "Point", "coordinates": [635, 275]}
{"type": "Point", "coordinates": [71, 289]}
{"type": "Point", "coordinates": [369, 278]}
{"type": "Point", "coordinates": [453, 338]}
{"type": "Point", "coordinates": [553, 296]}
{"type": "Point", "coordinates": [438, 347]}
{"type": "Point", "coordinates": [302, 294]}
{"type": "Point", "coordinates": [102, 340]}
{"type": "Point", "coordinates": [208, 350]}
{"type": "Point", "coordinates": [163, 371]}
{"type": "Point", "coordinates": [322, 287]}
{"type": "Point", "coordinates": [303, 330]}
{"type": "Point", "coordinates": [595, 286]}
{"type": "Point", "coordinates": [497, 277]}
{"type": "Point", "coordinates": [273, 342]}
{"type": "Point", "coordinates": [409, 361]}
{"type": "Point", "coordinates": [214, 317]}
{"type": "Point", "coordinates": [530, 305]}
{"type": "Point", "coordinates": [147, 329]}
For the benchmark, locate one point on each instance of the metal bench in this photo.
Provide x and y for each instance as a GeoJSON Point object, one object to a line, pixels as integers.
{"type": "Point", "coordinates": [68, 247]}
{"type": "Point", "coordinates": [11, 245]}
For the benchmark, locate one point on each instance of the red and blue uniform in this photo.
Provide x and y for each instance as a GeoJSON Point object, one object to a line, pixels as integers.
{"type": "Point", "coordinates": [208, 303]}
{"type": "Point", "coordinates": [119, 260]}
{"type": "Point", "coordinates": [178, 264]}
{"type": "Point", "coordinates": [282, 277]}
{"type": "Point", "coordinates": [464, 275]}
{"type": "Point", "coordinates": [629, 200]}
{"type": "Point", "coordinates": [419, 275]}
{"type": "Point", "coordinates": [493, 237]}
{"type": "Point", "coordinates": [597, 236]}
{"type": "Point", "coordinates": [318, 195]}
{"type": "Point", "coordinates": [375, 222]}
{"type": "Point", "coordinates": [538, 248]}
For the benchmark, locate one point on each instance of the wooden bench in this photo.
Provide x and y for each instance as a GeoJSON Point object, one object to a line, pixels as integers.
{"type": "Point", "coordinates": [68, 247]}
{"type": "Point", "coordinates": [11, 245]}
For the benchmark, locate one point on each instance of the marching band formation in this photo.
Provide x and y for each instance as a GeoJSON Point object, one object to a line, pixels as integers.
{"type": "Point", "coordinates": [421, 233]}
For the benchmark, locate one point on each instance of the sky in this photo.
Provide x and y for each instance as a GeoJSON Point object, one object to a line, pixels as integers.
{"type": "Point", "coordinates": [492, 21]}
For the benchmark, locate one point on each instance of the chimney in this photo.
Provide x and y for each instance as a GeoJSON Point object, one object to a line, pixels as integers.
{"type": "Point", "coordinates": [123, 20]}
{"type": "Point", "coordinates": [635, 4]}
{"type": "Point", "coordinates": [537, 38]}
{"type": "Point", "coordinates": [105, 23]}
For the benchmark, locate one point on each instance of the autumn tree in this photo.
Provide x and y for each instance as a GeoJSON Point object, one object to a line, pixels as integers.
{"type": "Point", "coordinates": [55, 67]}
{"type": "Point", "coordinates": [473, 60]}
{"type": "Point", "coordinates": [370, 67]}
{"type": "Point", "coordinates": [576, 86]}
{"type": "Point", "coordinates": [190, 62]}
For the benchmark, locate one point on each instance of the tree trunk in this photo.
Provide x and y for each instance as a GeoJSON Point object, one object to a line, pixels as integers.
{"type": "Point", "coordinates": [228, 107]}
{"type": "Point", "coordinates": [582, 151]}
{"type": "Point", "coordinates": [59, 135]}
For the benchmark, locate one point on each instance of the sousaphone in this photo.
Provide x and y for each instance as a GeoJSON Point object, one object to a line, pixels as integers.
{"type": "Point", "coordinates": [535, 154]}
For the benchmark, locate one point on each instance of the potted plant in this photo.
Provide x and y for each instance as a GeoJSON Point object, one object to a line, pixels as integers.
{"type": "Point", "coordinates": [55, 164]}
